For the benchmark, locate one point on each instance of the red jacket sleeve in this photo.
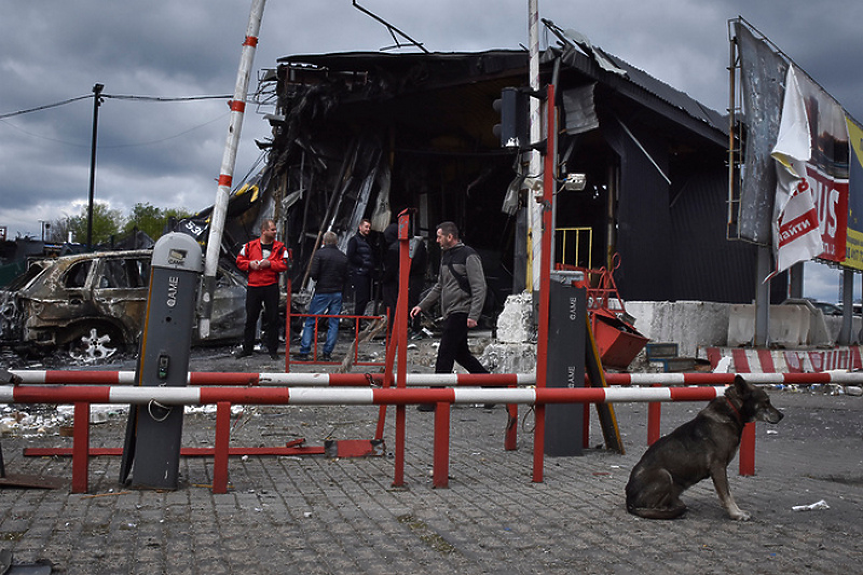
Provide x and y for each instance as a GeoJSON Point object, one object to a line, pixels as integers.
{"type": "Point", "coordinates": [278, 261]}
{"type": "Point", "coordinates": [243, 258]}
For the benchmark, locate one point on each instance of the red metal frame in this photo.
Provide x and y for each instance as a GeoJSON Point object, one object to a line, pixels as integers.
{"type": "Point", "coordinates": [225, 397]}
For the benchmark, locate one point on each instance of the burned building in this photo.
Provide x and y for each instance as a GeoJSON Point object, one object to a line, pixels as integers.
{"type": "Point", "coordinates": [368, 134]}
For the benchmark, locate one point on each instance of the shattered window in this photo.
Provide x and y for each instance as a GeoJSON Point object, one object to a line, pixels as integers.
{"type": "Point", "coordinates": [139, 272]}
{"type": "Point", "coordinates": [77, 274]}
{"type": "Point", "coordinates": [124, 273]}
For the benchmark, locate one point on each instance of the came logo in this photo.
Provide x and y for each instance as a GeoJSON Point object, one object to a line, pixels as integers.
{"type": "Point", "coordinates": [173, 287]}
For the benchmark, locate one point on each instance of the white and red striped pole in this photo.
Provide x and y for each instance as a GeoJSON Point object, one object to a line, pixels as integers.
{"type": "Point", "coordinates": [94, 377]}
{"type": "Point", "coordinates": [229, 158]}
{"type": "Point", "coordinates": [347, 396]}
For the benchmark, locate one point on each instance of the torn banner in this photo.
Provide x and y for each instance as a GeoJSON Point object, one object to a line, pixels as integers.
{"type": "Point", "coordinates": [796, 236]}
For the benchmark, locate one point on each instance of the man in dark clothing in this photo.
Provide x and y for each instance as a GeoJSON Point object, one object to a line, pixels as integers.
{"type": "Point", "coordinates": [460, 288]}
{"type": "Point", "coordinates": [362, 263]}
{"type": "Point", "coordinates": [329, 269]}
{"type": "Point", "coordinates": [263, 259]}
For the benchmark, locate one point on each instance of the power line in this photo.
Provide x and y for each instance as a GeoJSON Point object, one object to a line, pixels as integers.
{"type": "Point", "coordinates": [114, 96]}
{"type": "Point", "coordinates": [46, 107]}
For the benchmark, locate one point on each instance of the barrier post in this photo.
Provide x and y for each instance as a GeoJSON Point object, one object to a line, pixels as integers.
{"type": "Point", "coordinates": [547, 200]}
{"type": "Point", "coordinates": [747, 450]}
{"type": "Point", "coordinates": [654, 415]}
{"type": "Point", "coordinates": [81, 447]}
{"type": "Point", "coordinates": [441, 445]}
{"type": "Point", "coordinates": [220, 451]}
{"type": "Point", "coordinates": [538, 442]}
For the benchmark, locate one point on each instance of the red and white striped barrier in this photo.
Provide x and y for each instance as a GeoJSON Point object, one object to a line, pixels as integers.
{"type": "Point", "coordinates": [347, 396]}
{"type": "Point", "coordinates": [745, 361]}
{"type": "Point", "coordinates": [58, 377]}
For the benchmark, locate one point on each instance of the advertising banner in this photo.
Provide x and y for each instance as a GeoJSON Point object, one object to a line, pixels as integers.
{"type": "Point", "coordinates": [796, 234]}
{"type": "Point", "coordinates": [854, 242]}
{"type": "Point", "coordinates": [827, 169]}
{"type": "Point", "coordinates": [813, 171]}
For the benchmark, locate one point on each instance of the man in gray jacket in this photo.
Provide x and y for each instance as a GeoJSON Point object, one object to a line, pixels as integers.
{"type": "Point", "coordinates": [460, 288]}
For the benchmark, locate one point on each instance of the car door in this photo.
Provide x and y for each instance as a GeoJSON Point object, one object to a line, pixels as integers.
{"type": "Point", "coordinates": [119, 290]}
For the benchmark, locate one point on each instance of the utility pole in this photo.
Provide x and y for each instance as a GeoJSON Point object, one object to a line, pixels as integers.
{"type": "Point", "coordinates": [97, 101]}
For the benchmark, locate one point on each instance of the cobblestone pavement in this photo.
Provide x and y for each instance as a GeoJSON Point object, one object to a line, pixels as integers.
{"type": "Point", "coordinates": [313, 514]}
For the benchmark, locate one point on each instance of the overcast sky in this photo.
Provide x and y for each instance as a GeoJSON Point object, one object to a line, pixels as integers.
{"type": "Point", "coordinates": [169, 154]}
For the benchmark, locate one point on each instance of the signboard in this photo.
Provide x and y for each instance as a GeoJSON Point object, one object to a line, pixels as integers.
{"type": "Point", "coordinates": [854, 240]}
{"type": "Point", "coordinates": [763, 73]}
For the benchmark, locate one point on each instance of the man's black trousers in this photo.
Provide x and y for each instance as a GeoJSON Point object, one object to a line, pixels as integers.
{"type": "Point", "coordinates": [268, 297]}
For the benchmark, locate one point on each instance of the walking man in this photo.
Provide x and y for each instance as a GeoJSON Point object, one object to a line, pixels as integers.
{"type": "Point", "coordinates": [460, 288]}
{"type": "Point", "coordinates": [263, 259]}
{"type": "Point", "coordinates": [329, 269]}
{"type": "Point", "coordinates": [362, 261]}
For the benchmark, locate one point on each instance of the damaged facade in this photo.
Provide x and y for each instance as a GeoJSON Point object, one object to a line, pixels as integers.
{"type": "Point", "coordinates": [368, 134]}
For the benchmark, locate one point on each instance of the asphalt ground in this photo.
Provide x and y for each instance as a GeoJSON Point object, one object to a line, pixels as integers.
{"type": "Point", "coordinates": [314, 514]}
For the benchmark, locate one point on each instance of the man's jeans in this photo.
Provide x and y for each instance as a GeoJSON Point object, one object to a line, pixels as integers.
{"type": "Point", "coordinates": [322, 304]}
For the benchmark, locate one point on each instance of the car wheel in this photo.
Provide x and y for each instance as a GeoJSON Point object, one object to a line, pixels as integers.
{"type": "Point", "coordinates": [95, 343]}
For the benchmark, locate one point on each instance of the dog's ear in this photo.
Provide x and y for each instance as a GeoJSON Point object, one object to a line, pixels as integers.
{"type": "Point", "coordinates": [742, 386]}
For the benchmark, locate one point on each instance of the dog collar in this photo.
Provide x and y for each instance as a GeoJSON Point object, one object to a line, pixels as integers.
{"type": "Point", "coordinates": [734, 409]}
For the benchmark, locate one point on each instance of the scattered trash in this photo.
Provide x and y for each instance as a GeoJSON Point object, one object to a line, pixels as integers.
{"type": "Point", "coordinates": [772, 432]}
{"type": "Point", "coordinates": [854, 390]}
{"type": "Point", "coordinates": [817, 505]}
{"type": "Point", "coordinates": [723, 365]}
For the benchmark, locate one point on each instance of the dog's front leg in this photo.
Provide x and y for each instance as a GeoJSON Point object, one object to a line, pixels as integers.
{"type": "Point", "coordinates": [719, 474]}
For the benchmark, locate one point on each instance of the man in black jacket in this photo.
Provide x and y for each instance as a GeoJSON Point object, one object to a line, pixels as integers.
{"type": "Point", "coordinates": [330, 271]}
{"type": "Point", "coordinates": [362, 262]}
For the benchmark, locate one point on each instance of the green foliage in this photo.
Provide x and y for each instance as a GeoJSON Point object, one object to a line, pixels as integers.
{"type": "Point", "coordinates": [151, 220]}
{"type": "Point", "coordinates": [106, 223]}
{"type": "Point", "coordinates": [109, 222]}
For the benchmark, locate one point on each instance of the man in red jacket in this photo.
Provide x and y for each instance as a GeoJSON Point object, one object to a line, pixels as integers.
{"type": "Point", "coordinates": [263, 259]}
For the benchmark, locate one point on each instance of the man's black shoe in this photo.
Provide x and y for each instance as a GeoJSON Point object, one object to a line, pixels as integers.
{"type": "Point", "coordinates": [244, 353]}
{"type": "Point", "coordinates": [274, 355]}
{"type": "Point", "coordinates": [301, 356]}
{"type": "Point", "coordinates": [326, 357]}
{"type": "Point", "coordinates": [426, 407]}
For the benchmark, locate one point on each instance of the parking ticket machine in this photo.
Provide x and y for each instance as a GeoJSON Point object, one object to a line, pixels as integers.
{"type": "Point", "coordinates": [154, 432]}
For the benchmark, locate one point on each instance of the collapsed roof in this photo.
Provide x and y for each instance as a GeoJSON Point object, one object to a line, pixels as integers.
{"type": "Point", "coordinates": [367, 134]}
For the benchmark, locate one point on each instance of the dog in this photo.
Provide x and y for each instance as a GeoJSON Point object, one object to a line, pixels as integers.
{"type": "Point", "coordinates": [700, 448]}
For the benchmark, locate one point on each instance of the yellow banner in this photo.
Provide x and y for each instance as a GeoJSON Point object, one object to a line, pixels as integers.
{"type": "Point", "coordinates": [854, 240]}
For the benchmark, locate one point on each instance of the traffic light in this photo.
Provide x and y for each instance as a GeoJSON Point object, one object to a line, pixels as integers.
{"type": "Point", "coordinates": [514, 108]}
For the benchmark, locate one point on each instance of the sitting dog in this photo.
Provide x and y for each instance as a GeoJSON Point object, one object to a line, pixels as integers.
{"type": "Point", "coordinates": [696, 450]}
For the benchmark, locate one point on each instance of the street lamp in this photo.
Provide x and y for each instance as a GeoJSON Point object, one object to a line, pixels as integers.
{"type": "Point", "coordinates": [97, 100]}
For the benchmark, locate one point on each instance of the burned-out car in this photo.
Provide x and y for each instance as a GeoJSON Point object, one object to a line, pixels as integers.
{"type": "Point", "coordinates": [94, 304]}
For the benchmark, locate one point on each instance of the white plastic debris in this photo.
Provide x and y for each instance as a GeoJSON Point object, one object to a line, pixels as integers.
{"type": "Point", "coordinates": [723, 364]}
{"type": "Point", "coordinates": [817, 505]}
